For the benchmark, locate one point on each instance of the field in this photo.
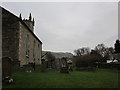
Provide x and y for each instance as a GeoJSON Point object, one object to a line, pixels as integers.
{"type": "Point", "coordinates": [102, 78]}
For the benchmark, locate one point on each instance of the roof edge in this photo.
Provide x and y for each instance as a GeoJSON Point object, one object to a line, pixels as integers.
{"type": "Point", "coordinates": [23, 24]}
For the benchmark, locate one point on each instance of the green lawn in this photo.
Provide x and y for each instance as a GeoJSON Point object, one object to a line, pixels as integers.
{"type": "Point", "coordinates": [102, 78]}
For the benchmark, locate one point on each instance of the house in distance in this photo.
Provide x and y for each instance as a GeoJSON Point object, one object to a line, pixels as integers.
{"type": "Point", "coordinates": [18, 39]}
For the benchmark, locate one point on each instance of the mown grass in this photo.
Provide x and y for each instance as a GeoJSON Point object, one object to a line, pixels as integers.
{"type": "Point", "coordinates": [102, 78]}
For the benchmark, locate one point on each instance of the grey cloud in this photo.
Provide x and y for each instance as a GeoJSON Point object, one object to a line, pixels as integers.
{"type": "Point", "coordinates": [68, 26]}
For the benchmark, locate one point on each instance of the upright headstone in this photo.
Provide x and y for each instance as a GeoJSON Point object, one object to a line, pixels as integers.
{"type": "Point", "coordinates": [70, 65]}
{"type": "Point", "coordinates": [64, 66]}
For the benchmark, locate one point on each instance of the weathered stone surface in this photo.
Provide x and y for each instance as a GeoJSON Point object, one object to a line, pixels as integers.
{"type": "Point", "coordinates": [10, 34]}
{"type": "Point", "coordinates": [18, 40]}
{"type": "Point", "coordinates": [34, 47]}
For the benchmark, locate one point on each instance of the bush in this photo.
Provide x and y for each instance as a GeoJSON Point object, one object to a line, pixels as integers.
{"type": "Point", "coordinates": [87, 60]}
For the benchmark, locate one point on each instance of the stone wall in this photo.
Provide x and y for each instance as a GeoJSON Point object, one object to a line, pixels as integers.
{"type": "Point", "coordinates": [10, 35]}
{"type": "Point", "coordinates": [30, 45]}
{"type": "Point", "coordinates": [14, 36]}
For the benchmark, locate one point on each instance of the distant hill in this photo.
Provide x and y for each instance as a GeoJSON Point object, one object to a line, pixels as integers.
{"type": "Point", "coordinates": [59, 54]}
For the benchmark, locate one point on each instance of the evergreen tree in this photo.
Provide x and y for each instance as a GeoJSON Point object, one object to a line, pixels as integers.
{"type": "Point", "coordinates": [117, 46]}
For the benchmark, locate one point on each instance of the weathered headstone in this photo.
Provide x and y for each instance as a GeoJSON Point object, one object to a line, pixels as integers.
{"type": "Point", "coordinates": [70, 65]}
{"type": "Point", "coordinates": [30, 67]}
{"type": "Point", "coordinates": [64, 66]}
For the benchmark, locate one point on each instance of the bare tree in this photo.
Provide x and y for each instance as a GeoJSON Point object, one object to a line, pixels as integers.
{"type": "Point", "coordinates": [82, 51]}
{"type": "Point", "coordinates": [77, 52]}
{"type": "Point", "coordinates": [105, 52]}
{"type": "Point", "coordinates": [101, 49]}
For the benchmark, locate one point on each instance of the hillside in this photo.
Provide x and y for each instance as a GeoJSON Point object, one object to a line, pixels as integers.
{"type": "Point", "coordinates": [59, 54]}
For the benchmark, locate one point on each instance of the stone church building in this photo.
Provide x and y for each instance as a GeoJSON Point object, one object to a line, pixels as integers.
{"type": "Point", "coordinates": [18, 39]}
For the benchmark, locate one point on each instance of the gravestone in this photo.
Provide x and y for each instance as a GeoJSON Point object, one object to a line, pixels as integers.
{"type": "Point", "coordinates": [30, 67]}
{"type": "Point", "coordinates": [64, 66]}
{"type": "Point", "coordinates": [70, 65]}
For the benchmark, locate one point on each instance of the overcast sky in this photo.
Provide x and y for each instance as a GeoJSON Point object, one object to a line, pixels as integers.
{"type": "Point", "coordinates": [66, 26]}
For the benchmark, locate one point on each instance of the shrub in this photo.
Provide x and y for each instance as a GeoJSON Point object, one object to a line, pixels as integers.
{"type": "Point", "coordinates": [87, 60]}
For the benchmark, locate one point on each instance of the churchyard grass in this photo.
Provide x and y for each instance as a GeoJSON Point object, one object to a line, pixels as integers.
{"type": "Point", "coordinates": [102, 78]}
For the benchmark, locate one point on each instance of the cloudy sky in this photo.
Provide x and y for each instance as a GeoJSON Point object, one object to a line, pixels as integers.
{"type": "Point", "coordinates": [66, 26]}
